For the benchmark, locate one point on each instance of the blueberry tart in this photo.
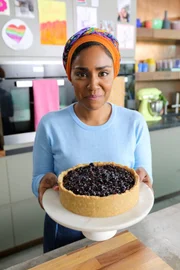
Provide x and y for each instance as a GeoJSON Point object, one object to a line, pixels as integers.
{"type": "Point", "coordinates": [99, 189]}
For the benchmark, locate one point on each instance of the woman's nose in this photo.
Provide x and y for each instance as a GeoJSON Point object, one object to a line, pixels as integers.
{"type": "Point", "coordinates": [93, 83]}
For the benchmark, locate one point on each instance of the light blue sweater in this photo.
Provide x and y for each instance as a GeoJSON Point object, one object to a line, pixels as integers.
{"type": "Point", "coordinates": [63, 141]}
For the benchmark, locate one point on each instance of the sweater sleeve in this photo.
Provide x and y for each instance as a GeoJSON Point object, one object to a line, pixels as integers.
{"type": "Point", "coordinates": [42, 156]}
{"type": "Point", "coordinates": [143, 155]}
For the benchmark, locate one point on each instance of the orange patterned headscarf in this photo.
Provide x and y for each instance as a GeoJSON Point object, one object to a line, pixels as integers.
{"type": "Point", "coordinates": [90, 34]}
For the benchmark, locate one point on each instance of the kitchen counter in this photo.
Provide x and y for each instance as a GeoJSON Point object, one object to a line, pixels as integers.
{"type": "Point", "coordinates": [158, 231]}
{"type": "Point", "coordinates": [167, 121]}
{"type": "Point", "coordinates": [23, 143]}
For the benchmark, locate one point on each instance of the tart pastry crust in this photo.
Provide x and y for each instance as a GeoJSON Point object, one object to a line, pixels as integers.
{"type": "Point", "coordinates": [96, 206]}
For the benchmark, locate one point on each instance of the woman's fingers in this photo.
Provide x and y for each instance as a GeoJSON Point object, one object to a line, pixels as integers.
{"type": "Point", "coordinates": [144, 177]}
{"type": "Point", "coordinates": [48, 181]}
{"type": "Point", "coordinates": [142, 174]}
{"type": "Point", "coordinates": [56, 187]}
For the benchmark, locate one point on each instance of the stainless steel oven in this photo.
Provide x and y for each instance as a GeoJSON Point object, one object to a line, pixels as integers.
{"type": "Point", "coordinates": [16, 96]}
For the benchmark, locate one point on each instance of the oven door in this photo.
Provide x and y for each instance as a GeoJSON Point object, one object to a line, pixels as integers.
{"type": "Point", "coordinates": [15, 108]}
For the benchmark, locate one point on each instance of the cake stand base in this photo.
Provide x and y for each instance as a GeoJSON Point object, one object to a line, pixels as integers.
{"type": "Point", "coordinates": [98, 229]}
{"type": "Point", "coordinates": [99, 236]}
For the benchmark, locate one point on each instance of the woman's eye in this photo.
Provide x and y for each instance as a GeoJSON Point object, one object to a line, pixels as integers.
{"type": "Point", "coordinates": [81, 74]}
{"type": "Point", "coordinates": [103, 74]}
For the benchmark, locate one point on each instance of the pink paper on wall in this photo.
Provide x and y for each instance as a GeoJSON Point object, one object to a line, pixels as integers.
{"type": "Point", "coordinates": [4, 7]}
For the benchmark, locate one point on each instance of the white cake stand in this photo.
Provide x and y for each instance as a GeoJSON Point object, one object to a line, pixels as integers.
{"type": "Point", "coordinates": [98, 229]}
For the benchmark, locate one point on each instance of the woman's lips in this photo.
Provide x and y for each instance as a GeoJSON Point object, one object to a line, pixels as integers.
{"type": "Point", "coordinates": [94, 97]}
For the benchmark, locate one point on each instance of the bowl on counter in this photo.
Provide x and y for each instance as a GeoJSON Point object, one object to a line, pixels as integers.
{"type": "Point", "coordinates": [157, 24]}
{"type": "Point", "coordinates": [175, 25]}
{"type": "Point", "coordinates": [156, 107]}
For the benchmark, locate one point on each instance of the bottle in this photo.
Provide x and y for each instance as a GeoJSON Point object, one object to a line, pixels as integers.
{"type": "Point", "coordinates": [151, 65]}
{"type": "Point", "coordinates": [166, 22]}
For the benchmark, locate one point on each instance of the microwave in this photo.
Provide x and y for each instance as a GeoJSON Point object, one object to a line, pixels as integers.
{"type": "Point", "coordinates": [16, 93]}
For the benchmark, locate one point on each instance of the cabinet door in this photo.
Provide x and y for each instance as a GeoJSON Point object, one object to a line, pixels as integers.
{"type": "Point", "coordinates": [4, 190]}
{"type": "Point", "coordinates": [20, 176]}
{"type": "Point", "coordinates": [28, 221]}
{"type": "Point", "coordinates": [118, 91]}
{"type": "Point", "coordinates": [27, 216]}
{"type": "Point", "coordinates": [166, 161]}
{"type": "Point", "coordinates": [6, 228]}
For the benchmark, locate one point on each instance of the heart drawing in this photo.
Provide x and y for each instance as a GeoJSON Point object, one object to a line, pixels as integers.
{"type": "Point", "coordinates": [16, 32]}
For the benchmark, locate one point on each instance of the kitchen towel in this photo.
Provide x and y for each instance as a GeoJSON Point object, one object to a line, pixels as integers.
{"type": "Point", "coordinates": [46, 98]}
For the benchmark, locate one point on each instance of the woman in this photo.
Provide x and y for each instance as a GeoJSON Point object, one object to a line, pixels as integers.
{"type": "Point", "coordinates": [90, 129]}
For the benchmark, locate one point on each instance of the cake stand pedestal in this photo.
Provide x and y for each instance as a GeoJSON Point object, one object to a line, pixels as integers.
{"type": "Point", "coordinates": [99, 236]}
{"type": "Point", "coordinates": [98, 229]}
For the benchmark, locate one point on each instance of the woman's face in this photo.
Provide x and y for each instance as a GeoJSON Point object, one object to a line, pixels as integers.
{"type": "Point", "coordinates": [92, 75]}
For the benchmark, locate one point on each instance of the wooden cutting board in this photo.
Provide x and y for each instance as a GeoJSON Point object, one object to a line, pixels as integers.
{"type": "Point", "coordinates": [123, 251]}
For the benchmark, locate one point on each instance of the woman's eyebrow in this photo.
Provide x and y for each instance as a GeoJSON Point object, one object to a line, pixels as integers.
{"type": "Point", "coordinates": [97, 68]}
{"type": "Point", "coordinates": [107, 66]}
{"type": "Point", "coordinates": [81, 68]}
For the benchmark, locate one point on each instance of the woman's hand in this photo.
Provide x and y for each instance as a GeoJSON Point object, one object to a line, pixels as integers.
{"type": "Point", "coordinates": [144, 177]}
{"type": "Point", "coordinates": [48, 181]}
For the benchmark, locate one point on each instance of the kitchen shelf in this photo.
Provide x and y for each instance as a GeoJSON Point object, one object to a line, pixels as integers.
{"type": "Point", "coordinates": [157, 76]}
{"type": "Point", "coordinates": [158, 34]}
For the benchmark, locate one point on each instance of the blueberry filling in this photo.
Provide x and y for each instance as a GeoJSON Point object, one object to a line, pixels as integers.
{"type": "Point", "coordinates": [100, 181]}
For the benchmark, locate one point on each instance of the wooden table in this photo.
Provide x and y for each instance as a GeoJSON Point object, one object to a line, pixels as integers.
{"type": "Point", "coordinates": [123, 251]}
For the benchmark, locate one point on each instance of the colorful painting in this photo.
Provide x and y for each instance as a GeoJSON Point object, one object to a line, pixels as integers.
{"type": "Point", "coordinates": [4, 7]}
{"type": "Point", "coordinates": [24, 8]}
{"type": "Point", "coordinates": [17, 35]}
{"type": "Point", "coordinates": [53, 26]}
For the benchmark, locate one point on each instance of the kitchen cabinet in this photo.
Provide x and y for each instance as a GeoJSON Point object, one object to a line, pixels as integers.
{"type": "Point", "coordinates": [28, 217]}
{"type": "Point", "coordinates": [6, 228]}
{"type": "Point", "coordinates": [20, 176]}
{"type": "Point", "coordinates": [21, 217]}
{"type": "Point", "coordinates": [166, 161]}
{"type": "Point", "coordinates": [4, 188]}
{"type": "Point", "coordinates": [28, 221]}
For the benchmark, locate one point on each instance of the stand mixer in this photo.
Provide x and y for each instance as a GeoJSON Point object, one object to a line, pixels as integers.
{"type": "Point", "coordinates": [151, 103]}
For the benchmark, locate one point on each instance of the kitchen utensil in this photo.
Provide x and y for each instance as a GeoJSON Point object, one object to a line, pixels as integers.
{"type": "Point", "coordinates": [155, 107]}
{"type": "Point", "coordinates": [147, 95]}
{"type": "Point", "coordinates": [177, 102]}
{"type": "Point", "coordinates": [157, 23]}
{"type": "Point", "coordinates": [98, 229]}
